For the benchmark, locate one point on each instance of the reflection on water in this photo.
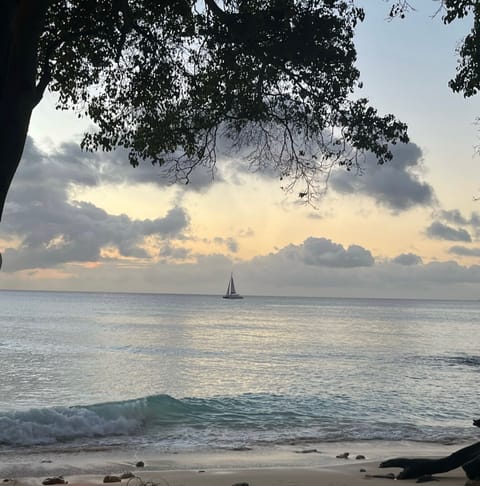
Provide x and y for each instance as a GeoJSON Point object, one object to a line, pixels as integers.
{"type": "Point", "coordinates": [410, 360]}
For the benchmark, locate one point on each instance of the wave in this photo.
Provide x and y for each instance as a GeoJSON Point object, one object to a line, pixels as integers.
{"type": "Point", "coordinates": [218, 421]}
{"type": "Point", "coordinates": [157, 413]}
{"type": "Point", "coordinates": [62, 424]}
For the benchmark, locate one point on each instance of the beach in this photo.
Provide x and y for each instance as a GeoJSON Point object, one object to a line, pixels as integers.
{"type": "Point", "coordinates": [301, 467]}
{"type": "Point", "coordinates": [351, 474]}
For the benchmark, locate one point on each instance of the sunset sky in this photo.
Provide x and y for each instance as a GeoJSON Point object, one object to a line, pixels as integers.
{"type": "Point", "coordinates": [81, 221]}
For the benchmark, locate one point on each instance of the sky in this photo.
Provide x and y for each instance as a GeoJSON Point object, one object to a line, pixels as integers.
{"type": "Point", "coordinates": [409, 229]}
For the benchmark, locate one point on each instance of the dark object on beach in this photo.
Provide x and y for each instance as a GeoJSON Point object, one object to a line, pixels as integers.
{"type": "Point", "coordinates": [382, 476]}
{"type": "Point", "coordinates": [140, 464]}
{"type": "Point", "coordinates": [201, 470]}
{"type": "Point", "coordinates": [468, 458]}
{"type": "Point", "coordinates": [240, 484]}
{"type": "Point", "coordinates": [426, 478]}
{"type": "Point", "coordinates": [363, 470]}
{"type": "Point", "coordinates": [343, 456]}
{"type": "Point", "coordinates": [46, 461]}
{"type": "Point", "coordinates": [112, 479]}
{"type": "Point", "coordinates": [127, 475]}
{"type": "Point", "coordinates": [360, 457]}
{"type": "Point", "coordinates": [55, 480]}
{"type": "Point", "coordinates": [241, 448]}
{"type": "Point", "coordinates": [308, 451]}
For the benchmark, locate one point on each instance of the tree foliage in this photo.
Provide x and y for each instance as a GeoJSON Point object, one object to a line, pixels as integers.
{"type": "Point", "coordinates": [170, 80]}
{"type": "Point", "coordinates": [175, 81]}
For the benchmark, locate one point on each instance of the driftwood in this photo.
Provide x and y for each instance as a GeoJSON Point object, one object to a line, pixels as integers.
{"type": "Point", "coordinates": [468, 458]}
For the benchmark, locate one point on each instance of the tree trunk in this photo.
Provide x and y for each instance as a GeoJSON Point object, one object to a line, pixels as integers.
{"type": "Point", "coordinates": [468, 457]}
{"type": "Point", "coordinates": [21, 24]}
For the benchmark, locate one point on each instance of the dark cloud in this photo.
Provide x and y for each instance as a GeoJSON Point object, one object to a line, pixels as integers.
{"type": "Point", "coordinates": [55, 230]}
{"type": "Point", "coordinates": [394, 185]}
{"type": "Point", "coordinates": [68, 164]}
{"type": "Point", "coordinates": [464, 251]}
{"type": "Point", "coordinates": [453, 216]}
{"type": "Point", "coordinates": [325, 253]}
{"type": "Point", "coordinates": [171, 252]}
{"type": "Point", "coordinates": [440, 231]}
{"type": "Point", "coordinates": [407, 259]}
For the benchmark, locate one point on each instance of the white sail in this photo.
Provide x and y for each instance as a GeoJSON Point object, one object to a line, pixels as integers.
{"type": "Point", "coordinates": [231, 292]}
{"type": "Point", "coordinates": [232, 285]}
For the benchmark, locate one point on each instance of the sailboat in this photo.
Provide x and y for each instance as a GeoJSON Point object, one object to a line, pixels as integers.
{"type": "Point", "coordinates": [231, 292]}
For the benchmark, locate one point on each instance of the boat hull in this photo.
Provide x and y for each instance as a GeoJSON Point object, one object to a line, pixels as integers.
{"type": "Point", "coordinates": [232, 296]}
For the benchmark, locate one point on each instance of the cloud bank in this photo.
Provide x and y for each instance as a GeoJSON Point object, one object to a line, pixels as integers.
{"type": "Point", "coordinates": [395, 185]}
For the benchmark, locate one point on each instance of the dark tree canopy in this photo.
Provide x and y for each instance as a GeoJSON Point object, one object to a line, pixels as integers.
{"type": "Point", "coordinates": [171, 81]}
{"type": "Point", "coordinates": [168, 80]}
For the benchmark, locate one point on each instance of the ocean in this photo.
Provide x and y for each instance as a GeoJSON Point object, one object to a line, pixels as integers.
{"type": "Point", "coordinates": [173, 374]}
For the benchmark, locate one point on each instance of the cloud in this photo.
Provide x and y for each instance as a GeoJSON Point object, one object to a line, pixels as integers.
{"type": "Point", "coordinates": [453, 216]}
{"type": "Point", "coordinates": [407, 259]}
{"type": "Point", "coordinates": [394, 185]}
{"type": "Point", "coordinates": [440, 231]}
{"type": "Point", "coordinates": [288, 271]}
{"type": "Point", "coordinates": [456, 217]}
{"type": "Point", "coordinates": [230, 243]}
{"type": "Point", "coordinates": [54, 230]}
{"type": "Point", "coordinates": [325, 253]}
{"type": "Point", "coordinates": [68, 164]}
{"type": "Point", "coordinates": [464, 251]}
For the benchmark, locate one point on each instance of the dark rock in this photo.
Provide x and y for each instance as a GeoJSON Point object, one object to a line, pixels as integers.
{"type": "Point", "coordinates": [201, 470]}
{"type": "Point", "coordinates": [363, 470]}
{"type": "Point", "coordinates": [426, 478]}
{"type": "Point", "coordinates": [360, 457]}
{"type": "Point", "coordinates": [112, 479]}
{"type": "Point", "coordinates": [307, 451]}
{"type": "Point", "coordinates": [343, 456]}
{"type": "Point", "coordinates": [54, 480]}
{"type": "Point", "coordinates": [127, 475]}
{"type": "Point", "coordinates": [241, 448]}
{"type": "Point", "coordinates": [140, 464]}
{"type": "Point", "coordinates": [43, 461]}
{"type": "Point", "coordinates": [240, 484]}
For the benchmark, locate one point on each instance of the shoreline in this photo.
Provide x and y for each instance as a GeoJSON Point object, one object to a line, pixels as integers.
{"type": "Point", "coordinates": [304, 465]}
{"type": "Point", "coordinates": [343, 475]}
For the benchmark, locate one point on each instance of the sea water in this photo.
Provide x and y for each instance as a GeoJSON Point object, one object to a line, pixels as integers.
{"type": "Point", "coordinates": [183, 373]}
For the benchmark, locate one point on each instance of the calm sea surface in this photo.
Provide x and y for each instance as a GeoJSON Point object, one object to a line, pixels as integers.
{"type": "Point", "coordinates": [185, 372]}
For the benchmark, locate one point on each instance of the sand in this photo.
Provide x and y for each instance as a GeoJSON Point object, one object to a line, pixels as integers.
{"type": "Point", "coordinates": [346, 475]}
{"type": "Point", "coordinates": [303, 469]}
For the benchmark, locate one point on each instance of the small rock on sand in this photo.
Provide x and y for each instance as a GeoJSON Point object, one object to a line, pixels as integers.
{"type": "Point", "coordinates": [140, 464]}
{"type": "Point", "coordinates": [359, 457]}
{"type": "Point", "coordinates": [55, 480]}
{"type": "Point", "coordinates": [112, 479]}
{"type": "Point", "coordinates": [307, 451]}
{"type": "Point", "coordinates": [343, 456]}
{"type": "Point", "coordinates": [240, 484]}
